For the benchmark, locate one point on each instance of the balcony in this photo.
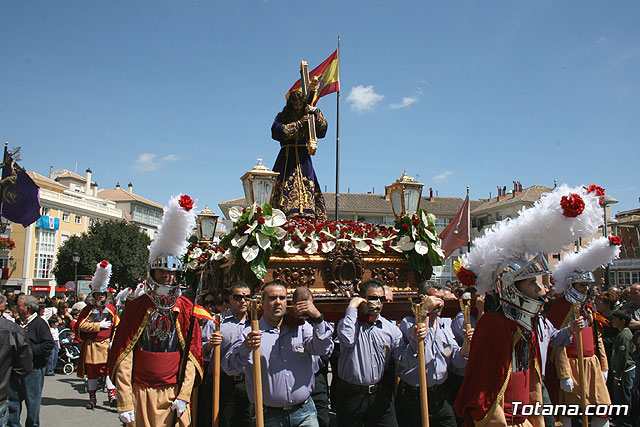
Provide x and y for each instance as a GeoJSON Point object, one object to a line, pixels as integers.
{"type": "Point", "coordinates": [79, 205]}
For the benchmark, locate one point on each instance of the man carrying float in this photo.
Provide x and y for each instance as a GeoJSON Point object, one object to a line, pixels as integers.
{"type": "Point", "coordinates": [95, 327]}
{"type": "Point", "coordinates": [153, 372]}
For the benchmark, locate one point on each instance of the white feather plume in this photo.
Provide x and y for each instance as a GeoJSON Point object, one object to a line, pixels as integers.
{"type": "Point", "coordinates": [139, 290]}
{"type": "Point", "coordinates": [122, 296]}
{"type": "Point", "coordinates": [174, 230]}
{"type": "Point", "coordinates": [100, 280]}
{"type": "Point", "coordinates": [541, 228]}
{"type": "Point", "coordinates": [599, 252]}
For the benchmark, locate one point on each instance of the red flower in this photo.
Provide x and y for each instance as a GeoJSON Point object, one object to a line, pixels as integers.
{"type": "Point", "coordinates": [260, 220]}
{"type": "Point", "coordinates": [599, 192]}
{"type": "Point", "coordinates": [467, 277]}
{"type": "Point", "coordinates": [259, 210]}
{"type": "Point", "coordinates": [104, 264]}
{"type": "Point", "coordinates": [186, 203]}
{"type": "Point", "coordinates": [615, 240]}
{"type": "Point", "coordinates": [416, 222]}
{"type": "Point", "coordinates": [572, 206]}
{"type": "Point", "coordinates": [405, 225]}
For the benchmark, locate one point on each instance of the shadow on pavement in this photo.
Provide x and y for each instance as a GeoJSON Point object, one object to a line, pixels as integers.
{"type": "Point", "coordinates": [77, 384]}
{"type": "Point", "coordinates": [46, 401]}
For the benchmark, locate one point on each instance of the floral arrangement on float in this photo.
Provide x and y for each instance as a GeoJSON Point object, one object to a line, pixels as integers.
{"type": "Point", "coordinates": [258, 231]}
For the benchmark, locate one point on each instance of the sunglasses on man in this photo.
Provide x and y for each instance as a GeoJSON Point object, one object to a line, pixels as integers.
{"type": "Point", "coordinates": [376, 298]}
{"type": "Point", "coordinates": [240, 297]}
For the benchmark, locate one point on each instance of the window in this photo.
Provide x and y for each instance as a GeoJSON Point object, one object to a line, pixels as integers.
{"type": "Point", "coordinates": [45, 252]}
{"type": "Point", "coordinates": [624, 278]}
{"type": "Point", "coordinates": [66, 216]}
{"type": "Point", "coordinates": [442, 222]}
{"type": "Point", "coordinates": [78, 219]}
{"type": "Point", "coordinates": [45, 211]}
{"type": "Point", "coordinates": [635, 277]}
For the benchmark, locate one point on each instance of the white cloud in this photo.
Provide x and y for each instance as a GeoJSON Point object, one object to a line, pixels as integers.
{"type": "Point", "coordinates": [363, 98]}
{"type": "Point", "coordinates": [601, 40]}
{"type": "Point", "coordinates": [147, 162]}
{"type": "Point", "coordinates": [441, 177]}
{"type": "Point", "coordinates": [406, 101]}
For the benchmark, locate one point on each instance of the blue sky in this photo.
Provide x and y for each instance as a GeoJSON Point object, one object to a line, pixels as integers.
{"type": "Point", "coordinates": [179, 96]}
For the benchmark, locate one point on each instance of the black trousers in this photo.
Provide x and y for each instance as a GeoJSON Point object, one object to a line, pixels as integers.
{"type": "Point", "coordinates": [235, 408]}
{"type": "Point", "coordinates": [320, 396]}
{"type": "Point", "coordinates": [358, 408]}
{"type": "Point", "coordinates": [409, 410]}
{"type": "Point", "coordinates": [205, 399]}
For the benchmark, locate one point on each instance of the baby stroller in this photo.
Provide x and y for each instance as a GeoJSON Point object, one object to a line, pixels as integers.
{"type": "Point", "coordinates": [69, 353]}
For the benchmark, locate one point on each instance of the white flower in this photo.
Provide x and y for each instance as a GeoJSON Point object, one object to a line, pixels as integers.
{"type": "Point", "coordinates": [227, 254]}
{"type": "Point", "coordinates": [237, 240]}
{"type": "Point", "coordinates": [421, 247]}
{"type": "Point", "coordinates": [405, 244]}
{"type": "Point", "coordinates": [328, 247]}
{"type": "Point", "coordinates": [196, 253]}
{"type": "Point", "coordinates": [312, 247]}
{"type": "Point", "coordinates": [289, 247]}
{"type": "Point", "coordinates": [263, 241]}
{"type": "Point", "coordinates": [280, 233]}
{"type": "Point", "coordinates": [430, 235]}
{"type": "Point", "coordinates": [432, 218]}
{"type": "Point", "coordinates": [362, 246]}
{"type": "Point", "coordinates": [193, 265]}
{"type": "Point", "coordinates": [424, 218]}
{"type": "Point", "coordinates": [235, 213]}
{"type": "Point", "coordinates": [276, 219]}
{"type": "Point", "coordinates": [218, 256]}
{"type": "Point", "coordinates": [413, 231]}
{"type": "Point", "coordinates": [249, 253]}
{"type": "Point", "coordinates": [379, 248]}
{"type": "Point", "coordinates": [251, 228]}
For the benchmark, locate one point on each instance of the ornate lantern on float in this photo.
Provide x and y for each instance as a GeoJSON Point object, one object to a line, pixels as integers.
{"type": "Point", "coordinates": [258, 184]}
{"type": "Point", "coordinates": [206, 222]}
{"type": "Point", "coordinates": [405, 195]}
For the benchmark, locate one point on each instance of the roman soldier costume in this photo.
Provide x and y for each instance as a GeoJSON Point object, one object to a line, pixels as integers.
{"type": "Point", "coordinates": [95, 328]}
{"type": "Point", "coordinates": [564, 381]}
{"type": "Point", "coordinates": [149, 347]}
{"type": "Point", "coordinates": [504, 362]}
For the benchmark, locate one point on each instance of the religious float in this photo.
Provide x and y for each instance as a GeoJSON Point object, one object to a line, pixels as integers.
{"type": "Point", "coordinates": [282, 233]}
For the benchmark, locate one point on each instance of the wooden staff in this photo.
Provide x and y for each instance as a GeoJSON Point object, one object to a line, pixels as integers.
{"type": "Point", "coordinates": [216, 376]}
{"type": "Point", "coordinates": [422, 369]}
{"type": "Point", "coordinates": [257, 371]}
{"type": "Point", "coordinates": [465, 306]}
{"type": "Point", "coordinates": [583, 391]}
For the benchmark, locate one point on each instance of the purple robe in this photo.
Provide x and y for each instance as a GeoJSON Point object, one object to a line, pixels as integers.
{"type": "Point", "coordinates": [297, 192]}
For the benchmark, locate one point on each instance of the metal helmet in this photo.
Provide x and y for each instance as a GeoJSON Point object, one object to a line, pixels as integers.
{"type": "Point", "coordinates": [164, 295]}
{"type": "Point", "coordinates": [517, 306]}
{"type": "Point", "coordinates": [571, 294]}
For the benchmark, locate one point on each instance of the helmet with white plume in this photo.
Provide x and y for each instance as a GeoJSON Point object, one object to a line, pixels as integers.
{"type": "Point", "coordinates": [170, 244]}
{"type": "Point", "coordinates": [578, 267]}
{"type": "Point", "coordinates": [100, 280]}
{"type": "Point", "coordinates": [511, 250]}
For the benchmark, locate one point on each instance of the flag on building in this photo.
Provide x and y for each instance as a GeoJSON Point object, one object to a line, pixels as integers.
{"type": "Point", "coordinates": [328, 78]}
{"type": "Point", "coordinates": [20, 198]}
{"type": "Point", "coordinates": [457, 232]}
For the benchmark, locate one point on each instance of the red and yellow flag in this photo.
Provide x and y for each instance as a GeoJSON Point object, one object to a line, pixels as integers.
{"type": "Point", "coordinates": [328, 78]}
{"type": "Point", "coordinates": [201, 313]}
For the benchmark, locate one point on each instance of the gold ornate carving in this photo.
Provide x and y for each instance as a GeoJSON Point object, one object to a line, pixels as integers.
{"type": "Point", "coordinates": [344, 269]}
{"type": "Point", "coordinates": [391, 275]}
{"type": "Point", "coordinates": [292, 277]}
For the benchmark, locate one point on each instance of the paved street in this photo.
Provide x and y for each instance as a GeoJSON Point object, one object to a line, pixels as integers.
{"type": "Point", "coordinates": [63, 404]}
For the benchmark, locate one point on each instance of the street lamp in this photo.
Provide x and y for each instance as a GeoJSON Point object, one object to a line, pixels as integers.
{"type": "Point", "coordinates": [207, 222]}
{"type": "Point", "coordinates": [608, 200]}
{"type": "Point", "coordinates": [405, 195]}
{"type": "Point", "coordinates": [76, 259]}
{"type": "Point", "coordinates": [258, 184]}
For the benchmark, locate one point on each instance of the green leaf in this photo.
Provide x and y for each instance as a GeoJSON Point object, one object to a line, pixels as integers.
{"type": "Point", "coordinates": [268, 231]}
{"type": "Point", "coordinates": [258, 268]}
{"type": "Point", "coordinates": [267, 209]}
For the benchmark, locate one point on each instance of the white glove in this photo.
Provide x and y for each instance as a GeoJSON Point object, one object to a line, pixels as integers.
{"type": "Point", "coordinates": [180, 406]}
{"type": "Point", "coordinates": [105, 324]}
{"type": "Point", "coordinates": [126, 416]}
{"type": "Point", "coordinates": [566, 384]}
{"type": "Point", "coordinates": [605, 374]}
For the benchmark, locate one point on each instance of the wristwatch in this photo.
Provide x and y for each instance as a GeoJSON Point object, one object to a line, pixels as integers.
{"type": "Point", "coordinates": [316, 320]}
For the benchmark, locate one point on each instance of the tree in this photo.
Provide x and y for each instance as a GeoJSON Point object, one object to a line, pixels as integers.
{"type": "Point", "coordinates": [123, 244]}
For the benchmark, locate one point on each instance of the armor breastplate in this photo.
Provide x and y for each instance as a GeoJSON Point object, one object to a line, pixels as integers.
{"type": "Point", "coordinates": [97, 315]}
{"type": "Point", "coordinates": [160, 334]}
{"type": "Point", "coordinates": [520, 356]}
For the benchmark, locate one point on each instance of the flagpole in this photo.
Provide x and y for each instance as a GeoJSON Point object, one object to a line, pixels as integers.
{"type": "Point", "coordinates": [337, 135]}
{"type": "Point", "coordinates": [4, 160]}
{"type": "Point", "coordinates": [469, 224]}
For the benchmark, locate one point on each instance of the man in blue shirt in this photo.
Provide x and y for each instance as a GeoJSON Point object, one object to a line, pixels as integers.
{"type": "Point", "coordinates": [368, 342]}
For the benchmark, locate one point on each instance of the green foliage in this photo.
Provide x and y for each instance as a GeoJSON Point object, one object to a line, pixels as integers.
{"type": "Point", "coordinates": [123, 244]}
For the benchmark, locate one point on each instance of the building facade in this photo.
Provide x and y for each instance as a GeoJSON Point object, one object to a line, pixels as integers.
{"type": "Point", "coordinates": [136, 209]}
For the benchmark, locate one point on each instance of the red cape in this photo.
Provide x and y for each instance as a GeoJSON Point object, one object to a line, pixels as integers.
{"type": "Point", "coordinates": [133, 320]}
{"type": "Point", "coordinates": [92, 336]}
{"type": "Point", "coordinates": [488, 365]}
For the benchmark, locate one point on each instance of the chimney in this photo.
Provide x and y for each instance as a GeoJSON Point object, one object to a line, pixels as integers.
{"type": "Point", "coordinates": [498, 196]}
{"type": "Point", "coordinates": [430, 193]}
{"type": "Point", "coordinates": [519, 186]}
{"type": "Point", "coordinates": [95, 190]}
{"type": "Point", "coordinates": [87, 185]}
{"type": "Point", "coordinates": [50, 172]}
{"type": "Point", "coordinates": [348, 190]}
{"type": "Point", "coordinates": [130, 188]}
{"type": "Point", "coordinates": [436, 193]}
{"type": "Point", "coordinates": [117, 186]}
